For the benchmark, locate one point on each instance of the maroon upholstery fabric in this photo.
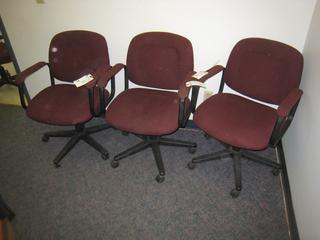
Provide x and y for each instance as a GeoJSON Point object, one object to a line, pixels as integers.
{"type": "Point", "coordinates": [106, 73]}
{"type": "Point", "coordinates": [287, 104]}
{"type": "Point", "coordinates": [159, 60]}
{"type": "Point", "coordinates": [236, 121]}
{"type": "Point", "coordinates": [73, 54]}
{"type": "Point", "coordinates": [4, 54]}
{"type": "Point", "coordinates": [264, 69]}
{"type": "Point", "coordinates": [62, 104]}
{"type": "Point", "coordinates": [144, 111]}
{"type": "Point", "coordinates": [155, 59]}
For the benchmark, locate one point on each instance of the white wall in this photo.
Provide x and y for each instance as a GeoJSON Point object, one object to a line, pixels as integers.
{"type": "Point", "coordinates": [302, 141]}
{"type": "Point", "coordinates": [213, 26]}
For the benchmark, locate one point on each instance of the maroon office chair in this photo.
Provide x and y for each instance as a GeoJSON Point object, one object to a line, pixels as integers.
{"type": "Point", "coordinates": [6, 78]}
{"type": "Point", "coordinates": [72, 54]}
{"type": "Point", "coordinates": [263, 70]}
{"type": "Point", "coordinates": [161, 61]}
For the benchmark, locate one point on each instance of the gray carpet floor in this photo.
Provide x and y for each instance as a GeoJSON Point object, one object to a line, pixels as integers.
{"type": "Point", "coordinates": [87, 199]}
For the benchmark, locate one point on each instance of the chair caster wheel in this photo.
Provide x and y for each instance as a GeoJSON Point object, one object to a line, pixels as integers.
{"type": "Point", "coordinates": [191, 165]}
{"type": "Point", "coordinates": [234, 193]}
{"type": "Point", "coordinates": [114, 164]}
{"type": "Point", "coordinates": [192, 149]}
{"type": "Point", "coordinates": [159, 178]}
{"type": "Point", "coordinates": [125, 133]}
{"type": "Point", "coordinates": [275, 171]}
{"type": "Point", "coordinates": [104, 156]}
{"type": "Point", "coordinates": [45, 138]}
{"type": "Point", "coordinates": [57, 165]}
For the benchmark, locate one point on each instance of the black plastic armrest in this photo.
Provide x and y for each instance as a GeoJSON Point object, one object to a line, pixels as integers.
{"type": "Point", "coordinates": [102, 76]}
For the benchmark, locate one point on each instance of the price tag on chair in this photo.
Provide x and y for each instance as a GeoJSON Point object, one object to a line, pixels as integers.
{"type": "Point", "coordinates": [83, 80]}
{"type": "Point", "coordinates": [195, 83]}
{"type": "Point", "coordinates": [199, 74]}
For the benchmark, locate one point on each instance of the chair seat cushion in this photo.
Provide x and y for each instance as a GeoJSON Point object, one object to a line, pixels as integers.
{"type": "Point", "coordinates": [145, 112]}
{"type": "Point", "coordinates": [62, 104]}
{"type": "Point", "coordinates": [236, 121]}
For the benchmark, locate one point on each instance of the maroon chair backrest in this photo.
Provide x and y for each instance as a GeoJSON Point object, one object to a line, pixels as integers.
{"type": "Point", "coordinates": [4, 54]}
{"type": "Point", "coordinates": [263, 69]}
{"type": "Point", "coordinates": [159, 60]}
{"type": "Point", "coordinates": [73, 54]}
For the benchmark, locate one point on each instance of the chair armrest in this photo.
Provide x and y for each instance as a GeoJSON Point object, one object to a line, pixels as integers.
{"type": "Point", "coordinates": [211, 72]}
{"type": "Point", "coordinates": [21, 77]}
{"type": "Point", "coordinates": [183, 91]}
{"type": "Point", "coordinates": [104, 75]}
{"type": "Point", "coordinates": [96, 74]}
{"type": "Point", "coordinates": [289, 102]}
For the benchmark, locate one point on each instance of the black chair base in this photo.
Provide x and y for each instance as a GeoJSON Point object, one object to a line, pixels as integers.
{"type": "Point", "coordinates": [236, 155]}
{"type": "Point", "coordinates": [79, 133]}
{"type": "Point", "coordinates": [154, 142]}
{"type": "Point", "coordinates": [5, 211]}
{"type": "Point", "coordinates": [277, 167]}
{"type": "Point", "coordinates": [6, 78]}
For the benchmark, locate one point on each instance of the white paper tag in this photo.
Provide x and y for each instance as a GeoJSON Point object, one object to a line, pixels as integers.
{"type": "Point", "coordinates": [200, 74]}
{"type": "Point", "coordinates": [195, 83]}
{"type": "Point", "coordinates": [83, 80]}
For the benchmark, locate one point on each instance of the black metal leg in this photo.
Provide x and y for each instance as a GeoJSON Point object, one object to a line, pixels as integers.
{"type": "Point", "coordinates": [293, 229]}
{"type": "Point", "coordinates": [136, 148]}
{"type": "Point", "coordinates": [4, 76]}
{"type": "Point", "coordinates": [177, 143]}
{"type": "Point", "coordinates": [260, 159]}
{"type": "Point", "coordinates": [25, 92]}
{"type": "Point", "coordinates": [5, 210]}
{"type": "Point", "coordinates": [93, 143]}
{"type": "Point", "coordinates": [65, 133]}
{"type": "Point", "coordinates": [72, 142]}
{"type": "Point", "coordinates": [208, 157]}
{"type": "Point", "coordinates": [192, 147]}
{"type": "Point", "coordinates": [157, 155]}
{"type": "Point", "coordinates": [237, 175]}
{"type": "Point", "coordinates": [211, 156]}
{"type": "Point", "coordinates": [80, 132]}
{"type": "Point", "coordinates": [97, 128]}
{"type": "Point", "coordinates": [154, 142]}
